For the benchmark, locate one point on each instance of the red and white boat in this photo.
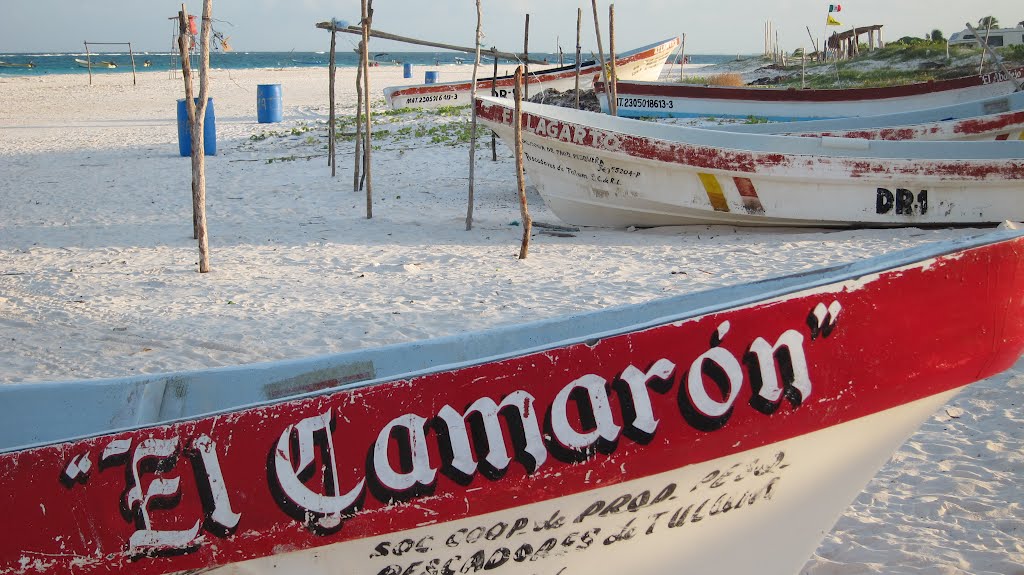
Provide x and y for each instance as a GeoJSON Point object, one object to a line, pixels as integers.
{"type": "Point", "coordinates": [1000, 118]}
{"type": "Point", "coordinates": [598, 170]}
{"type": "Point", "coordinates": [724, 430]}
{"type": "Point", "coordinates": [641, 64]}
{"type": "Point", "coordinates": [674, 100]}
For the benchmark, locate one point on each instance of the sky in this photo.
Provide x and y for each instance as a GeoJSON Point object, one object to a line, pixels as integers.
{"type": "Point", "coordinates": [716, 27]}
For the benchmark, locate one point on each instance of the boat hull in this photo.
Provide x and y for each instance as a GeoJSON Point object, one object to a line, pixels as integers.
{"type": "Point", "coordinates": [762, 498]}
{"type": "Point", "coordinates": [999, 118]}
{"type": "Point", "coordinates": [596, 170]}
{"type": "Point", "coordinates": [726, 422]}
{"type": "Point", "coordinates": [661, 99]}
{"type": "Point", "coordinates": [642, 64]}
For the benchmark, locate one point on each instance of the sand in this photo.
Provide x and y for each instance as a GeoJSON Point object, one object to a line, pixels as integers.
{"type": "Point", "coordinates": [98, 273]}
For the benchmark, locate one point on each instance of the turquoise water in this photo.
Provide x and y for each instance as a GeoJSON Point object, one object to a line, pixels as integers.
{"type": "Point", "coordinates": [64, 63]}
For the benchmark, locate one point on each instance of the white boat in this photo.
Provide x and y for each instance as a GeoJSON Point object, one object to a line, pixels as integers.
{"type": "Point", "coordinates": [641, 64]}
{"type": "Point", "coordinates": [724, 431]}
{"type": "Point", "coordinates": [674, 100]}
{"type": "Point", "coordinates": [598, 170]}
{"type": "Point", "coordinates": [98, 64]}
{"type": "Point", "coordinates": [1000, 118]}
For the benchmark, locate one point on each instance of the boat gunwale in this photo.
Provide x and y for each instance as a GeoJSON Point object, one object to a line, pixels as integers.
{"type": "Point", "coordinates": [875, 156]}
{"type": "Point", "coordinates": [771, 94]}
{"type": "Point", "coordinates": [610, 322]}
{"type": "Point", "coordinates": [974, 109]}
{"type": "Point", "coordinates": [586, 67]}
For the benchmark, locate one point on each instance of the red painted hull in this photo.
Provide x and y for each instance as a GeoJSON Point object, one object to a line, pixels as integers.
{"type": "Point", "coordinates": [235, 486]}
{"type": "Point", "coordinates": [663, 99]}
{"type": "Point", "coordinates": [817, 95]}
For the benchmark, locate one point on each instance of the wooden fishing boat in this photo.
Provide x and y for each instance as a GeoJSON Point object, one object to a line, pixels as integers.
{"type": "Point", "coordinates": [1000, 118]}
{"type": "Point", "coordinates": [598, 170]}
{"type": "Point", "coordinates": [741, 421]}
{"type": "Point", "coordinates": [642, 64]}
{"type": "Point", "coordinates": [17, 64]}
{"type": "Point", "coordinates": [97, 64]}
{"type": "Point", "coordinates": [664, 99]}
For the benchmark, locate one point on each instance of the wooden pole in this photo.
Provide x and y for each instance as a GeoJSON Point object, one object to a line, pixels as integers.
{"type": "Point", "coordinates": [131, 56]}
{"type": "Point", "coordinates": [357, 168]}
{"type": "Point", "coordinates": [600, 54]}
{"type": "Point", "coordinates": [332, 67]}
{"type": "Point", "coordinates": [524, 210]}
{"type": "Point", "coordinates": [198, 151]}
{"type": "Point", "coordinates": [88, 62]}
{"type": "Point", "coordinates": [472, 124]}
{"type": "Point", "coordinates": [988, 30]}
{"type": "Point", "coordinates": [579, 21]}
{"type": "Point", "coordinates": [814, 44]}
{"type": "Point", "coordinates": [407, 40]}
{"type": "Point", "coordinates": [367, 12]}
{"type": "Point", "coordinates": [613, 92]}
{"type": "Point", "coordinates": [526, 65]}
{"type": "Point", "coordinates": [494, 92]}
{"type": "Point", "coordinates": [682, 56]}
{"type": "Point", "coordinates": [196, 116]}
{"type": "Point", "coordinates": [1018, 85]}
{"type": "Point", "coordinates": [803, 69]}
{"type": "Point", "coordinates": [186, 74]}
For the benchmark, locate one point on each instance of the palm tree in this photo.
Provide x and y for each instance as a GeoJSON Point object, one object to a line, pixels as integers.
{"type": "Point", "coordinates": [988, 22]}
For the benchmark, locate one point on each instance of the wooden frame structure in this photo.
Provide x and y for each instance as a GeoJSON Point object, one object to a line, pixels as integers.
{"type": "Point", "coordinates": [88, 57]}
{"type": "Point", "coordinates": [847, 44]}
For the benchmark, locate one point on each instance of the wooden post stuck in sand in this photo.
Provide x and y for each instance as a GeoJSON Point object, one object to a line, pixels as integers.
{"type": "Point", "coordinates": [600, 55]}
{"type": "Point", "coordinates": [494, 92]}
{"type": "Point", "coordinates": [579, 22]}
{"type": "Point", "coordinates": [613, 91]}
{"type": "Point", "coordinates": [186, 72]}
{"type": "Point", "coordinates": [131, 56]}
{"type": "Point", "coordinates": [88, 62]}
{"type": "Point", "coordinates": [357, 166]}
{"type": "Point", "coordinates": [526, 63]}
{"type": "Point", "coordinates": [196, 117]}
{"type": "Point", "coordinates": [682, 56]}
{"type": "Point", "coordinates": [331, 68]}
{"type": "Point", "coordinates": [472, 123]}
{"type": "Point", "coordinates": [524, 210]}
{"type": "Point", "coordinates": [367, 12]}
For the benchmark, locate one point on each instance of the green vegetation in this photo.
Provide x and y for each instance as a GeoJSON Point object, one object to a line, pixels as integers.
{"type": "Point", "coordinates": [892, 65]}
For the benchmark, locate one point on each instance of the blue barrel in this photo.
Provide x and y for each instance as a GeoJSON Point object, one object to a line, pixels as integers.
{"type": "Point", "coordinates": [407, 70]}
{"type": "Point", "coordinates": [430, 77]}
{"type": "Point", "coordinates": [268, 103]}
{"type": "Point", "coordinates": [185, 129]}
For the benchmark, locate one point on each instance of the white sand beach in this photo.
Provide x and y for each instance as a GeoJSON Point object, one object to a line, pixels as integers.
{"type": "Point", "coordinates": [99, 275]}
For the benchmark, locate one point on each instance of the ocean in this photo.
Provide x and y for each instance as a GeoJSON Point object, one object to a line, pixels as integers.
{"type": "Point", "coordinates": [66, 63]}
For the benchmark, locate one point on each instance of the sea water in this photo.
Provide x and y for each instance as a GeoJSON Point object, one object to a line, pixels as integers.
{"type": "Point", "coordinates": [64, 63]}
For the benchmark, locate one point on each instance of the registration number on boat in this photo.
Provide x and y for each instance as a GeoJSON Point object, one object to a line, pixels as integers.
{"type": "Point", "coordinates": [431, 98]}
{"type": "Point", "coordinates": [643, 103]}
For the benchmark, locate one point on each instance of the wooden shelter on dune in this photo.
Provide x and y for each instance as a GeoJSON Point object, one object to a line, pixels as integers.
{"type": "Point", "coordinates": [847, 44]}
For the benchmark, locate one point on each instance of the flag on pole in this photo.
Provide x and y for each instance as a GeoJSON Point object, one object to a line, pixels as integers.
{"type": "Point", "coordinates": [835, 7]}
{"type": "Point", "coordinates": [832, 21]}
